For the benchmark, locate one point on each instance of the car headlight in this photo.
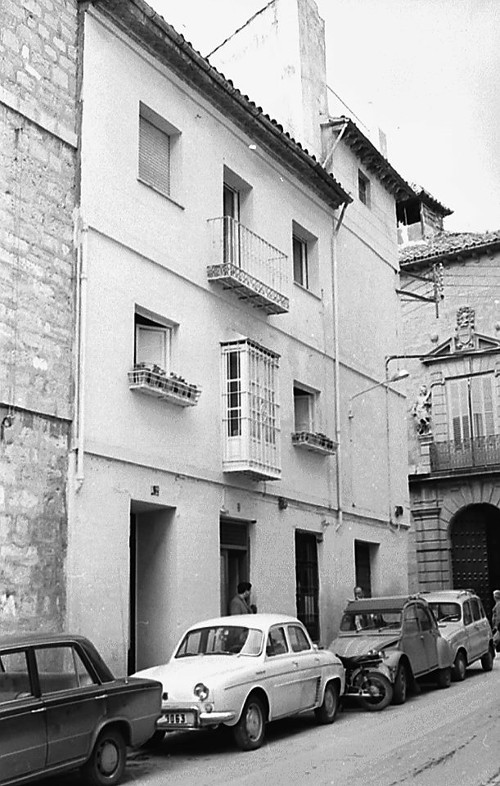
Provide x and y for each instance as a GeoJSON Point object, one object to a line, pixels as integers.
{"type": "Point", "coordinates": [376, 653]}
{"type": "Point", "coordinates": [201, 691]}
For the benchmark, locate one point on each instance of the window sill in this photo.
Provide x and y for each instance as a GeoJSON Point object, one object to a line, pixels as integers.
{"type": "Point", "coordinates": [307, 291]}
{"type": "Point", "coordinates": [161, 193]}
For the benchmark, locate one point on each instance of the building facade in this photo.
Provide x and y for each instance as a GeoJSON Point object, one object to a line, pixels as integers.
{"type": "Point", "coordinates": [38, 120]}
{"type": "Point", "coordinates": [232, 417]}
{"type": "Point", "coordinates": [454, 441]}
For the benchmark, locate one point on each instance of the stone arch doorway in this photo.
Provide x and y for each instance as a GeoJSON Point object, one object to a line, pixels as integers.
{"type": "Point", "coordinates": [475, 550]}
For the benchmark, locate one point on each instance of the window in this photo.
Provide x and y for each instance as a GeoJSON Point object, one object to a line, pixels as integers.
{"type": "Point", "coordinates": [303, 407]}
{"type": "Point", "coordinates": [276, 642]}
{"type": "Point", "coordinates": [304, 255]}
{"type": "Point", "coordinates": [470, 407]}
{"type": "Point", "coordinates": [467, 613]}
{"type": "Point", "coordinates": [363, 188]}
{"type": "Point", "coordinates": [250, 406]}
{"type": "Point", "coordinates": [298, 639]}
{"type": "Point", "coordinates": [14, 677]}
{"type": "Point", "coordinates": [152, 342]}
{"type": "Point", "coordinates": [424, 619]}
{"type": "Point", "coordinates": [300, 264]}
{"type": "Point", "coordinates": [61, 668]}
{"type": "Point", "coordinates": [157, 148]}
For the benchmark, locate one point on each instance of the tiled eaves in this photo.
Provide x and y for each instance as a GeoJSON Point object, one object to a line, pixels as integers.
{"type": "Point", "coordinates": [449, 247]}
{"type": "Point", "coordinates": [371, 158]}
{"type": "Point", "coordinates": [151, 31]}
{"type": "Point", "coordinates": [431, 201]}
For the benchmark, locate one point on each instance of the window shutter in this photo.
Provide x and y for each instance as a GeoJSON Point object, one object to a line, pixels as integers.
{"type": "Point", "coordinates": [303, 413]}
{"type": "Point", "coordinates": [152, 345]}
{"type": "Point", "coordinates": [154, 156]}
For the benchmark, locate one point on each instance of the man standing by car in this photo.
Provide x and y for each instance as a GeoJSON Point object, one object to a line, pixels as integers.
{"type": "Point", "coordinates": [495, 619]}
{"type": "Point", "coordinates": [240, 604]}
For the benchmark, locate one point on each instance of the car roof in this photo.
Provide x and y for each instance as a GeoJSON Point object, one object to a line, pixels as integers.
{"type": "Point", "coordinates": [386, 603]}
{"type": "Point", "coordinates": [448, 595]}
{"type": "Point", "coordinates": [247, 620]}
{"type": "Point", "coordinates": [26, 639]}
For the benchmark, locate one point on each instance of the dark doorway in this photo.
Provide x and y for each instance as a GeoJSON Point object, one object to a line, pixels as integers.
{"type": "Point", "coordinates": [307, 581]}
{"type": "Point", "coordinates": [234, 560]}
{"type": "Point", "coordinates": [475, 551]}
{"type": "Point", "coordinates": [362, 564]}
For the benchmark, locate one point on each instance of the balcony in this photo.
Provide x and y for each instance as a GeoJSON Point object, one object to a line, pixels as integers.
{"type": "Point", "coordinates": [244, 262]}
{"type": "Point", "coordinates": [316, 443]}
{"type": "Point", "coordinates": [153, 381]}
{"type": "Point", "coordinates": [471, 454]}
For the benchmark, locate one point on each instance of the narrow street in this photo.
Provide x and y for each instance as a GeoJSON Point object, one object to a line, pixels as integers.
{"type": "Point", "coordinates": [439, 737]}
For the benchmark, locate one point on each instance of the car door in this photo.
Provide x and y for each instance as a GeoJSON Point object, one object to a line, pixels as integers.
{"type": "Point", "coordinates": [412, 641]}
{"type": "Point", "coordinates": [23, 736]}
{"type": "Point", "coordinates": [476, 631]}
{"type": "Point", "coordinates": [74, 702]}
{"type": "Point", "coordinates": [307, 661]}
{"type": "Point", "coordinates": [282, 675]}
{"type": "Point", "coordinates": [429, 635]}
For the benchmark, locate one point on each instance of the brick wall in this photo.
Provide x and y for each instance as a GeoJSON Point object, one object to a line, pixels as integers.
{"type": "Point", "coordinates": [37, 197]}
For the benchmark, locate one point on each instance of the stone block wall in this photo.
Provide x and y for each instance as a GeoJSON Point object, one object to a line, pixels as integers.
{"type": "Point", "coordinates": [38, 119]}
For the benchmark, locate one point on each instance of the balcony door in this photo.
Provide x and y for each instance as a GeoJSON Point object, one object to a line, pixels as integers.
{"type": "Point", "coordinates": [231, 210]}
{"type": "Point", "coordinates": [470, 403]}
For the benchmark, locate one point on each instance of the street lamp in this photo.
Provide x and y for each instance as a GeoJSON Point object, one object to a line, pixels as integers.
{"type": "Point", "coordinates": [401, 374]}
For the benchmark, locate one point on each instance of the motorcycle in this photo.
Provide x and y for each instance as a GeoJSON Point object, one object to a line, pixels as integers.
{"type": "Point", "coordinates": [367, 681]}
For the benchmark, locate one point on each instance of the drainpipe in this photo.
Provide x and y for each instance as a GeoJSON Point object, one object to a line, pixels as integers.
{"type": "Point", "coordinates": [336, 227]}
{"type": "Point", "coordinates": [81, 326]}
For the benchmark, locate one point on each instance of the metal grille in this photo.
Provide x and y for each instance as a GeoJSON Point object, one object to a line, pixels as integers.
{"type": "Point", "coordinates": [465, 454]}
{"type": "Point", "coordinates": [307, 581]}
{"type": "Point", "coordinates": [154, 156]}
{"type": "Point", "coordinates": [250, 410]}
{"type": "Point", "coordinates": [243, 261]}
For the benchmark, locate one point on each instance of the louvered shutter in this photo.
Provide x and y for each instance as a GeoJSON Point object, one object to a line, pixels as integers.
{"type": "Point", "coordinates": [154, 156]}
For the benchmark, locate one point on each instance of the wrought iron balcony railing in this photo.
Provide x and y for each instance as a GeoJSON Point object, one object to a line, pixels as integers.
{"type": "Point", "coordinates": [475, 453]}
{"type": "Point", "coordinates": [243, 261]}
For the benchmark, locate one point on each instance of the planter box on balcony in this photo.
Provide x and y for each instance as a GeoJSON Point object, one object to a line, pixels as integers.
{"type": "Point", "coordinates": [154, 382]}
{"type": "Point", "coordinates": [317, 443]}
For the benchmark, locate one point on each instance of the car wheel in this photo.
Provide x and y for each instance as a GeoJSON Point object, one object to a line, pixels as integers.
{"type": "Point", "coordinates": [400, 687]}
{"type": "Point", "coordinates": [107, 760]}
{"type": "Point", "coordinates": [249, 731]}
{"type": "Point", "coordinates": [487, 660]}
{"type": "Point", "coordinates": [378, 691]}
{"type": "Point", "coordinates": [328, 710]}
{"type": "Point", "coordinates": [443, 677]}
{"type": "Point", "coordinates": [459, 667]}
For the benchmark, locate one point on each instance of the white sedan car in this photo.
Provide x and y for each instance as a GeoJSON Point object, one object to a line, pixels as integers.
{"type": "Point", "coordinates": [243, 671]}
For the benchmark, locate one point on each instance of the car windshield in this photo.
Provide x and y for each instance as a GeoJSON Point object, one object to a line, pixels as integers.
{"type": "Point", "coordinates": [370, 620]}
{"type": "Point", "coordinates": [221, 640]}
{"type": "Point", "coordinates": [446, 612]}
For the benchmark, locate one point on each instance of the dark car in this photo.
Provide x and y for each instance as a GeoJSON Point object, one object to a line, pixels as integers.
{"type": "Point", "coordinates": [61, 708]}
{"type": "Point", "coordinates": [404, 631]}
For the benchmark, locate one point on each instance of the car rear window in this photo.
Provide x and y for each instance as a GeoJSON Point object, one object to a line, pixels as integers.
{"type": "Point", "coordinates": [370, 620]}
{"type": "Point", "coordinates": [447, 612]}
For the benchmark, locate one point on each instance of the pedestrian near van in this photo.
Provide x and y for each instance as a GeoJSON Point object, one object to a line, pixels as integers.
{"type": "Point", "coordinates": [240, 604]}
{"type": "Point", "coordinates": [495, 614]}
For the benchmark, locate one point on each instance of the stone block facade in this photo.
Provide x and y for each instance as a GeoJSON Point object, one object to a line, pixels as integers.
{"type": "Point", "coordinates": [38, 72]}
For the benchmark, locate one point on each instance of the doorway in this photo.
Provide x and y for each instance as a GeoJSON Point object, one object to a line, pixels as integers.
{"type": "Point", "coordinates": [363, 566]}
{"type": "Point", "coordinates": [234, 560]}
{"type": "Point", "coordinates": [307, 581]}
{"type": "Point", "coordinates": [475, 551]}
{"type": "Point", "coordinates": [150, 571]}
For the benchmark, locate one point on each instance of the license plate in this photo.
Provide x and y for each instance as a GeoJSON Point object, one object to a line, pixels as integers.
{"type": "Point", "coordinates": [178, 719]}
